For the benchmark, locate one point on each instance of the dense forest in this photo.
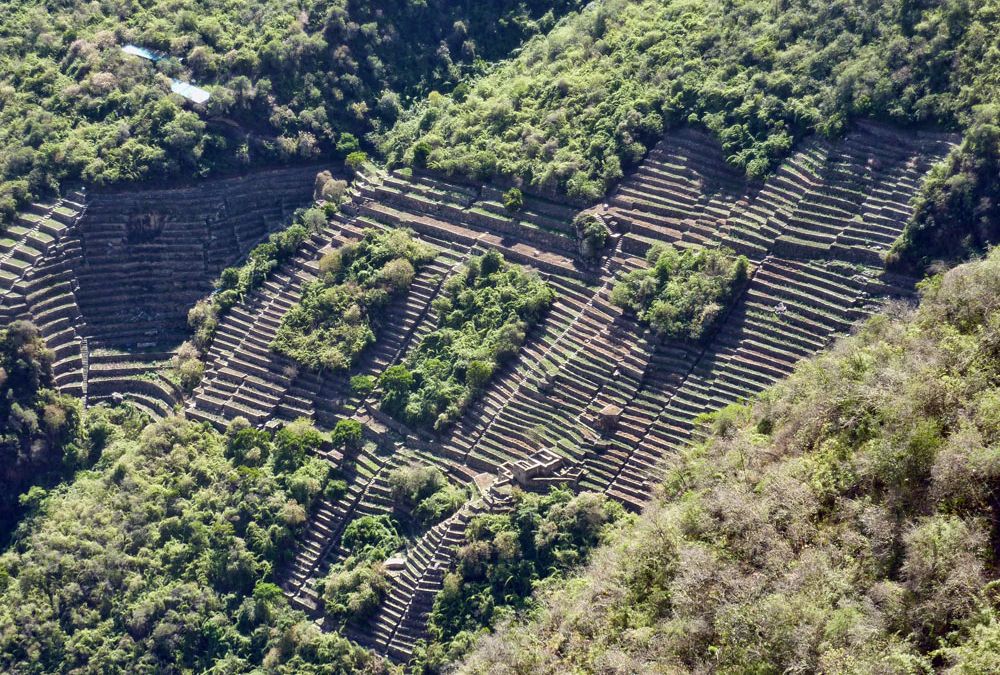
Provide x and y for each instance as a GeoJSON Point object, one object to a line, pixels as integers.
{"type": "Point", "coordinates": [332, 323]}
{"type": "Point", "coordinates": [581, 105]}
{"type": "Point", "coordinates": [505, 558]}
{"type": "Point", "coordinates": [484, 315]}
{"type": "Point", "coordinates": [42, 438]}
{"type": "Point", "coordinates": [287, 81]}
{"type": "Point", "coordinates": [683, 293]}
{"type": "Point", "coordinates": [847, 521]}
{"type": "Point", "coordinates": [159, 559]}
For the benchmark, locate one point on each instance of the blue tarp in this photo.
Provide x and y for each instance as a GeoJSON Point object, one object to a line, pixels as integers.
{"type": "Point", "coordinates": [185, 89]}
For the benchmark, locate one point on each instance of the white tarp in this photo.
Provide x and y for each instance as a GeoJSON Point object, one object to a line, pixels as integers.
{"type": "Point", "coordinates": [141, 52]}
{"type": "Point", "coordinates": [189, 91]}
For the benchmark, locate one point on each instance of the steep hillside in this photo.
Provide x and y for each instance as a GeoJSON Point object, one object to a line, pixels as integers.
{"type": "Point", "coordinates": [287, 81]}
{"type": "Point", "coordinates": [108, 276]}
{"type": "Point", "coordinates": [271, 404]}
{"type": "Point", "coordinates": [41, 439]}
{"type": "Point", "coordinates": [593, 398]}
{"type": "Point", "coordinates": [164, 551]}
{"type": "Point", "coordinates": [846, 521]}
{"type": "Point", "coordinates": [580, 106]}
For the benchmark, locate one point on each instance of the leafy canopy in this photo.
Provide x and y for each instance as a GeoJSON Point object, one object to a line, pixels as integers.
{"type": "Point", "coordinates": [683, 292]}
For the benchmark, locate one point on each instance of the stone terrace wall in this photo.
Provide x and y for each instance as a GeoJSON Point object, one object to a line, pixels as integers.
{"type": "Point", "coordinates": [815, 233]}
{"type": "Point", "coordinates": [149, 255]}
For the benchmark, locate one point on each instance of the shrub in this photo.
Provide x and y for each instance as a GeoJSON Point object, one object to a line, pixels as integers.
{"type": "Point", "coordinates": [592, 235]}
{"type": "Point", "coordinates": [415, 482]}
{"type": "Point", "coordinates": [331, 324]}
{"type": "Point", "coordinates": [683, 292]}
{"type": "Point", "coordinates": [353, 591]}
{"type": "Point", "coordinates": [294, 442]}
{"type": "Point", "coordinates": [347, 433]}
{"type": "Point", "coordinates": [371, 537]}
{"type": "Point", "coordinates": [453, 363]}
{"type": "Point", "coordinates": [513, 200]}
{"type": "Point", "coordinates": [535, 117]}
{"type": "Point", "coordinates": [356, 161]}
{"type": "Point", "coordinates": [421, 153]}
{"type": "Point", "coordinates": [363, 385]}
{"type": "Point", "coordinates": [197, 598]}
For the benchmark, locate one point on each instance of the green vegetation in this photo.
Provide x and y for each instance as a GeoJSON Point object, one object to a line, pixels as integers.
{"type": "Point", "coordinates": [513, 200]}
{"type": "Point", "coordinates": [683, 292]}
{"type": "Point", "coordinates": [846, 522]}
{"type": "Point", "coordinates": [355, 586]}
{"type": "Point", "coordinates": [504, 559]}
{"type": "Point", "coordinates": [235, 283]}
{"type": "Point", "coordinates": [42, 438]}
{"type": "Point", "coordinates": [287, 81]}
{"type": "Point", "coordinates": [578, 107]}
{"type": "Point", "coordinates": [957, 214]}
{"type": "Point", "coordinates": [592, 235]}
{"type": "Point", "coordinates": [424, 493]}
{"type": "Point", "coordinates": [483, 314]}
{"type": "Point", "coordinates": [332, 323]}
{"type": "Point", "coordinates": [160, 560]}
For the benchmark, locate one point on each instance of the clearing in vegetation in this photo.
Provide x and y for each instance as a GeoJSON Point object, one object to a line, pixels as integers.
{"type": "Point", "coordinates": [332, 323]}
{"type": "Point", "coordinates": [483, 314]}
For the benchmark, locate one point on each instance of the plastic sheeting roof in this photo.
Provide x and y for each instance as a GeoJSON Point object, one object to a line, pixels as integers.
{"type": "Point", "coordinates": [189, 91]}
{"type": "Point", "coordinates": [185, 89]}
{"type": "Point", "coordinates": [142, 53]}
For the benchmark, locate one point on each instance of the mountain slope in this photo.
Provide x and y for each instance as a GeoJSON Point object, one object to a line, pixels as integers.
{"type": "Point", "coordinates": [847, 521]}
{"type": "Point", "coordinates": [287, 81]}
{"type": "Point", "coordinates": [575, 109]}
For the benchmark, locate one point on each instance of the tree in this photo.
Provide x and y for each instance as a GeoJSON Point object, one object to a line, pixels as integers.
{"type": "Point", "coordinates": [294, 442]}
{"type": "Point", "coordinates": [347, 433]}
{"type": "Point", "coordinates": [356, 161]}
{"type": "Point", "coordinates": [421, 153]}
{"type": "Point", "coordinates": [513, 200]}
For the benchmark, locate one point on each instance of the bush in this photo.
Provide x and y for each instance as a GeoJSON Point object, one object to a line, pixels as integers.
{"type": "Point", "coordinates": [331, 324]}
{"type": "Point", "coordinates": [957, 212]}
{"type": "Point", "coordinates": [356, 161]}
{"type": "Point", "coordinates": [415, 482]}
{"type": "Point", "coordinates": [513, 200]}
{"type": "Point", "coordinates": [353, 591]}
{"type": "Point", "coordinates": [424, 493]}
{"type": "Point", "coordinates": [421, 153]}
{"type": "Point", "coordinates": [683, 292]}
{"type": "Point", "coordinates": [289, 89]}
{"type": "Point", "coordinates": [188, 366]}
{"type": "Point", "coordinates": [42, 438]}
{"type": "Point", "coordinates": [591, 234]}
{"type": "Point", "coordinates": [371, 537]}
{"type": "Point", "coordinates": [347, 433]}
{"type": "Point", "coordinates": [363, 385]}
{"type": "Point", "coordinates": [294, 442]}
{"type": "Point", "coordinates": [453, 363]}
